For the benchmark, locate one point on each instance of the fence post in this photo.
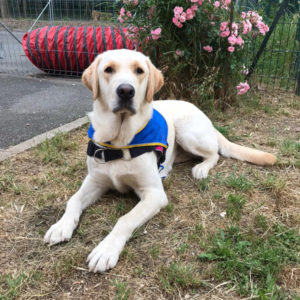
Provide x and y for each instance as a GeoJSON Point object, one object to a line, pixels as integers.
{"type": "Point", "coordinates": [4, 8]}
{"type": "Point", "coordinates": [297, 64]}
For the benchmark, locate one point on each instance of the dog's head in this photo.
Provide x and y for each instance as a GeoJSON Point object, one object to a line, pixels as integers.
{"type": "Point", "coordinates": [122, 80]}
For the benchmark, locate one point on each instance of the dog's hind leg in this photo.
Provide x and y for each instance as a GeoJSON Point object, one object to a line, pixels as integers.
{"type": "Point", "coordinates": [88, 193]}
{"type": "Point", "coordinates": [196, 136]}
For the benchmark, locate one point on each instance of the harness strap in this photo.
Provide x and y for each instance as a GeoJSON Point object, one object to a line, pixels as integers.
{"type": "Point", "coordinates": [103, 153]}
{"type": "Point", "coordinates": [107, 154]}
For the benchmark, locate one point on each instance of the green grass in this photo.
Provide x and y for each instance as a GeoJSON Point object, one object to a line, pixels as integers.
{"type": "Point", "coordinates": [122, 291]}
{"type": "Point", "coordinates": [9, 184]}
{"type": "Point", "coordinates": [227, 131]}
{"type": "Point", "coordinates": [252, 263]}
{"type": "Point", "coordinates": [260, 223]}
{"type": "Point", "coordinates": [290, 147]}
{"type": "Point", "coordinates": [238, 182]}
{"type": "Point", "coordinates": [269, 109]}
{"type": "Point", "coordinates": [54, 150]}
{"type": "Point", "coordinates": [235, 204]}
{"type": "Point", "coordinates": [179, 274]}
{"type": "Point", "coordinates": [154, 251]}
{"type": "Point", "coordinates": [169, 208]}
{"type": "Point", "coordinates": [223, 129]}
{"type": "Point", "coordinates": [182, 248]}
{"type": "Point", "coordinates": [271, 142]}
{"type": "Point", "coordinates": [272, 183]}
{"type": "Point", "coordinates": [13, 284]}
{"type": "Point", "coordinates": [203, 184]}
{"type": "Point", "coordinates": [289, 152]}
{"type": "Point", "coordinates": [196, 234]}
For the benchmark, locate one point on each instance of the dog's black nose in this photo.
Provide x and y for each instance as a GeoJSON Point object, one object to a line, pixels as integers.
{"type": "Point", "coordinates": [125, 91]}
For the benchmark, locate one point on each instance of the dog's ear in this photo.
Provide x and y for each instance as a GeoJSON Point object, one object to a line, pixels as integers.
{"type": "Point", "coordinates": [90, 77]}
{"type": "Point", "coordinates": [155, 81]}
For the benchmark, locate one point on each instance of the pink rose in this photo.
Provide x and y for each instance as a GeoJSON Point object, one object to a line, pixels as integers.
{"type": "Point", "coordinates": [208, 48]}
{"type": "Point", "coordinates": [135, 2]}
{"type": "Point", "coordinates": [156, 33]}
{"type": "Point", "coordinates": [120, 19]}
{"type": "Point", "coordinates": [122, 11]}
{"type": "Point", "coordinates": [234, 26]}
{"type": "Point", "coordinates": [262, 27]}
{"type": "Point", "coordinates": [194, 1]}
{"type": "Point", "coordinates": [179, 52]}
{"type": "Point", "coordinates": [129, 15]}
{"type": "Point", "coordinates": [189, 11]}
{"type": "Point", "coordinates": [225, 33]}
{"type": "Point", "coordinates": [230, 49]}
{"type": "Point", "coordinates": [247, 27]}
{"type": "Point", "coordinates": [232, 40]}
{"type": "Point", "coordinates": [217, 4]}
{"type": "Point", "coordinates": [189, 14]}
{"type": "Point", "coordinates": [243, 88]}
{"type": "Point", "coordinates": [254, 17]}
{"type": "Point", "coordinates": [243, 15]}
{"type": "Point", "coordinates": [176, 22]}
{"type": "Point", "coordinates": [182, 18]}
{"type": "Point", "coordinates": [178, 10]}
{"type": "Point", "coordinates": [200, 2]}
{"type": "Point", "coordinates": [194, 7]}
{"type": "Point", "coordinates": [239, 41]}
{"type": "Point", "coordinates": [223, 26]}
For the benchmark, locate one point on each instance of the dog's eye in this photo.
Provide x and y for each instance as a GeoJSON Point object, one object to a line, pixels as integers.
{"type": "Point", "coordinates": [139, 70]}
{"type": "Point", "coordinates": [108, 70]}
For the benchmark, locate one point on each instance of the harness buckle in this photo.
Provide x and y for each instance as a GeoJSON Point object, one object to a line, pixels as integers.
{"type": "Point", "coordinates": [98, 159]}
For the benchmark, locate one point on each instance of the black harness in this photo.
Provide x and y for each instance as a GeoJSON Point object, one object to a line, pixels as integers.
{"type": "Point", "coordinates": [108, 154]}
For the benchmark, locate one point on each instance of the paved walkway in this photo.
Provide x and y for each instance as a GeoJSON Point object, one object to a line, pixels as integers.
{"type": "Point", "coordinates": [30, 106]}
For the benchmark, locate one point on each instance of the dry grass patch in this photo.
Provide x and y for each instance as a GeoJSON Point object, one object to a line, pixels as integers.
{"type": "Point", "coordinates": [239, 209]}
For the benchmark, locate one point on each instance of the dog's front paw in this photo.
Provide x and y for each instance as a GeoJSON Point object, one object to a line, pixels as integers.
{"type": "Point", "coordinates": [60, 232]}
{"type": "Point", "coordinates": [106, 255]}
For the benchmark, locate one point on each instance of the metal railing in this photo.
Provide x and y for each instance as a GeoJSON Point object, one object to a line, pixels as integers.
{"type": "Point", "coordinates": [275, 59]}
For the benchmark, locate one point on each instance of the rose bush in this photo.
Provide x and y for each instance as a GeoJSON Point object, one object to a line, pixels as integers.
{"type": "Point", "coordinates": [198, 44]}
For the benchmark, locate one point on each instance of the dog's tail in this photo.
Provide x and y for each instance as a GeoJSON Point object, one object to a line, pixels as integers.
{"type": "Point", "coordinates": [229, 149]}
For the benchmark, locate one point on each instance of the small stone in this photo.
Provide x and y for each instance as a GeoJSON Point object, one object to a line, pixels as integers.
{"type": "Point", "coordinates": [223, 214]}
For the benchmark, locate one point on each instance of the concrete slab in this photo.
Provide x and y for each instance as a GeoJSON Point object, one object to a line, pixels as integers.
{"type": "Point", "coordinates": [32, 106]}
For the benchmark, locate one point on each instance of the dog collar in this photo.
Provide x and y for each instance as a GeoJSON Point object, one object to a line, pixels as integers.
{"type": "Point", "coordinates": [152, 137]}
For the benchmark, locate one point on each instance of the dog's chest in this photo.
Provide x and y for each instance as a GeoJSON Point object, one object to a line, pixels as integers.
{"type": "Point", "coordinates": [121, 174]}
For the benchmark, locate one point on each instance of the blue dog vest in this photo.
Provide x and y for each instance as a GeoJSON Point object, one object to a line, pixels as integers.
{"type": "Point", "coordinates": [151, 137]}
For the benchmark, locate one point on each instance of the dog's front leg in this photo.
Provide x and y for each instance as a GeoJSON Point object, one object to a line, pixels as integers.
{"type": "Point", "coordinates": [105, 256]}
{"type": "Point", "coordinates": [88, 193]}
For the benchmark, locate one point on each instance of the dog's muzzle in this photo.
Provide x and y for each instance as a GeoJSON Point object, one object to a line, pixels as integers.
{"type": "Point", "coordinates": [125, 93]}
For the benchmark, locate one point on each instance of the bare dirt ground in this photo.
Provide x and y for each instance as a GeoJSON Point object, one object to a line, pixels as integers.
{"type": "Point", "coordinates": [161, 260]}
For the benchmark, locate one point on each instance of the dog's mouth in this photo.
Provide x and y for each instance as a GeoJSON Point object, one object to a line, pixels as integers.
{"type": "Point", "coordinates": [124, 108]}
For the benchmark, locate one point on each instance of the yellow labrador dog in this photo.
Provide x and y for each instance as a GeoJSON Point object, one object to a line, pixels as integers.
{"type": "Point", "coordinates": [123, 83]}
